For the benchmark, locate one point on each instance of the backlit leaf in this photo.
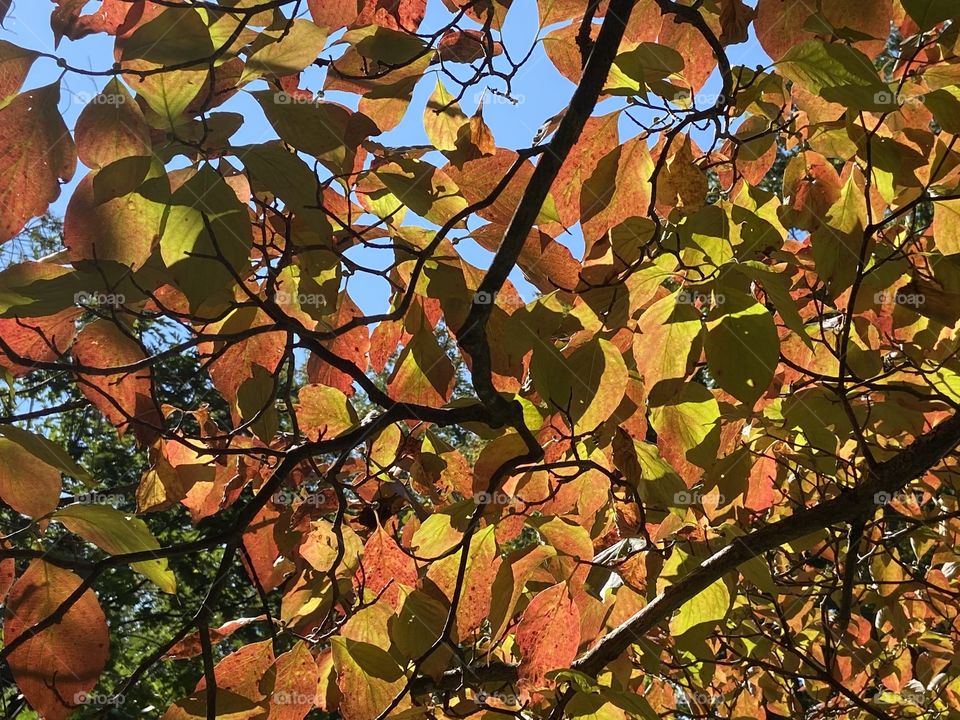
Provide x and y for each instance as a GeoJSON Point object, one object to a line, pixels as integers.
{"type": "Point", "coordinates": [37, 155]}
{"type": "Point", "coordinates": [118, 533]}
{"type": "Point", "coordinates": [65, 660]}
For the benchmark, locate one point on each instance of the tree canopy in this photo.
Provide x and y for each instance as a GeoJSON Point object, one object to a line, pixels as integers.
{"type": "Point", "coordinates": [659, 421]}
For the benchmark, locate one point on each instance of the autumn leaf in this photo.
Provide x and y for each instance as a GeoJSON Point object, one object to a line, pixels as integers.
{"type": "Point", "coordinates": [56, 668]}
{"type": "Point", "coordinates": [28, 483]}
{"type": "Point", "coordinates": [15, 63]}
{"type": "Point", "coordinates": [125, 397]}
{"type": "Point", "coordinates": [117, 533]}
{"type": "Point", "coordinates": [367, 676]}
{"type": "Point", "coordinates": [548, 634]}
{"type": "Point", "coordinates": [37, 155]}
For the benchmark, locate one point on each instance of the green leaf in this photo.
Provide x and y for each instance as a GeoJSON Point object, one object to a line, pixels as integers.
{"type": "Point", "coordinates": [118, 533]}
{"type": "Point", "coordinates": [192, 250]}
{"type": "Point", "coordinates": [443, 119]}
{"type": "Point", "coordinates": [742, 346]}
{"type": "Point", "coordinates": [423, 374]}
{"type": "Point", "coordinates": [589, 384]}
{"type": "Point", "coordinates": [168, 95]}
{"type": "Point", "coordinates": [945, 106]}
{"type": "Point", "coordinates": [837, 73]}
{"type": "Point", "coordinates": [635, 69]}
{"type": "Point", "coordinates": [424, 189]}
{"type": "Point", "coordinates": [385, 45]}
{"type": "Point", "coordinates": [707, 607]}
{"type": "Point", "coordinates": [369, 678]}
{"type": "Point", "coordinates": [686, 417]}
{"type": "Point", "coordinates": [176, 36]}
{"type": "Point", "coordinates": [777, 288]}
{"type": "Point", "coordinates": [669, 339]}
{"type": "Point", "coordinates": [927, 13]}
{"type": "Point", "coordinates": [48, 451]}
{"type": "Point", "coordinates": [256, 404]}
{"type": "Point", "coordinates": [328, 131]}
{"type": "Point", "coordinates": [294, 51]}
{"type": "Point", "coordinates": [946, 226]}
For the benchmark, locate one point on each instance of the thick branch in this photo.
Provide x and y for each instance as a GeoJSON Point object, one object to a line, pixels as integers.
{"type": "Point", "coordinates": [472, 335]}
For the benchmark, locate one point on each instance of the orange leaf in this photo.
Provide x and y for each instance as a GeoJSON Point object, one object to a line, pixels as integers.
{"type": "Point", "coordinates": [37, 154]}
{"type": "Point", "coordinates": [55, 669]}
{"type": "Point", "coordinates": [190, 646]}
{"type": "Point", "coordinates": [125, 398]}
{"type": "Point", "coordinates": [548, 635]}
{"type": "Point", "coordinates": [385, 565]}
{"type": "Point", "coordinates": [291, 684]}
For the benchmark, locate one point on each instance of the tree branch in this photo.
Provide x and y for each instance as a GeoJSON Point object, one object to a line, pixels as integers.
{"type": "Point", "coordinates": [888, 477]}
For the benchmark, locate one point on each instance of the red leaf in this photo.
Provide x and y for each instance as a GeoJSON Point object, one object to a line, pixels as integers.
{"type": "Point", "coordinates": [352, 346]}
{"type": "Point", "coordinates": [334, 14]}
{"type": "Point", "coordinates": [238, 686]}
{"type": "Point", "coordinates": [190, 646]}
{"type": "Point", "coordinates": [67, 21]}
{"type": "Point", "coordinates": [617, 189]}
{"type": "Point", "coordinates": [8, 572]}
{"type": "Point", "coordinates": [55, 669]}
{"type": "Point", "coordinates": [735, 19]}
{"type": "Point", "coordinates": [546, 263]}
{"type": "Point", "coordinates": [780, 25]}
{"type": "Point", "coordinates": [125, 398]}
{"type": "Point", "coordinates": [385, 565]}
{"type": "Point", "coordinates": [15, 63]}
{"type": "Point", "coordinates": [393, 14]}
{"type": "Point", "coordinates": [548, 635]}
{"type": "Point", "coordinates": [261, 541]}
{"type": "Point", "coordinates": [36, 339]}
{"type": "Point", "coordinates": [36, 153]}
{"type": "Point", "coordinates": [27, 483]}
{"type": "Point", "coordinates": [291, 684]}
{"type": "Point", "coordinates": [240, 672]}
{"type": "Point", "coordinates": [600, 137]}
{"type": "Point", "coordinates": [465, 46]}
{"type": "Point", "coordinates": [111, 127]}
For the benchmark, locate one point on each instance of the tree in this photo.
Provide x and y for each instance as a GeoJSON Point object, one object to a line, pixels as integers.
{"type": "Point", "coordinates": [708, 470]}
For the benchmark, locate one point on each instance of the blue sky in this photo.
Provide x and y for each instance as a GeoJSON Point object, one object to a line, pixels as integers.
{"type": "Point", "coordinates": [541, 90]}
